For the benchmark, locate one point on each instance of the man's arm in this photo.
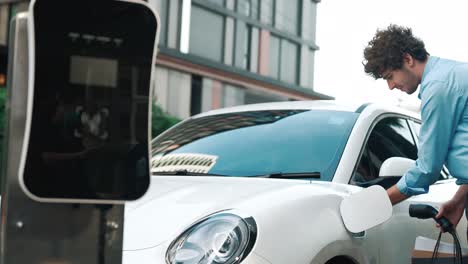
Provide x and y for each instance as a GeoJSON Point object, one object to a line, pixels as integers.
{"type": "Point", "coordinates": [439, 123]}
{"type": "Point", "coordinates": [395, 195]}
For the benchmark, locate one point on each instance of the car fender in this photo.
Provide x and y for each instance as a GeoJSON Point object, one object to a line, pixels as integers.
{"type": "Point", "coordinates": [302, 222]}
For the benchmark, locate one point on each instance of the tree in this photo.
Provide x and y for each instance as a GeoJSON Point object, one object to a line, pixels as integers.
{"type": "Point", "coordinates": [161, 121]}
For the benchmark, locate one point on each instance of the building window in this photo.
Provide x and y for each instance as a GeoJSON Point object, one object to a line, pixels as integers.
{"type": "Point", "coordinates": [216, 2]}
{"type": "Point", "coordinates": [172, 92]}
{"type": "Point", "coordinates": [254, 42]}
{"type": "Point", "coordinates": [208, 98]}
{"type": "Point", "coordinates": [254, 97]}
{"type": "Point", "coordinates": [254, 9]}
{"type": "Point", "coordinates": [283, 60]}
{"type": "Point", "coordinates": [179, 94]}
{"type": "Point", "coordinates": [229, 40]}
{"type": "Point", "coordinates": [206, 34]}
{"type": "Point", "coordinates": [287, 15]}
{"type": "Point", "coordinates": [232, 95]}
{"type": "Point", "coordinates": [243, 7]}
{"type": "Point", "coordinates": [248, 8]}
{"type": "Point", "coordinates": [266, 11]}
{"type": "Point", "coordinates": [311, 61]}
{"type": "Point", "coordinates": [242, 49]}
{"type": "Point", "coordinates": [274, 61]}
{"type": "Point", "coordinates": [288, 68]}
{"type": "Point", "coordinates": [311, 22]}
{"type": "Point", "coordinates": [196, 95]}
{"type": "Point", "coordinates": [162, 7]}
{"type": "Point", "coordinates": [230, 4]}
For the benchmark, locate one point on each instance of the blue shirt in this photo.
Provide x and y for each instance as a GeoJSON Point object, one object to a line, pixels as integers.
{"type": "Point", "coordinates": [444, 132]}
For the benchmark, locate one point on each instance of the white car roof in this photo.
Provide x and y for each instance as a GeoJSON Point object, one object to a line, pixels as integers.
{"type": "Point", "coordinates": [332, 105]}
{"type": "Point", "coordinates": [316, 104]}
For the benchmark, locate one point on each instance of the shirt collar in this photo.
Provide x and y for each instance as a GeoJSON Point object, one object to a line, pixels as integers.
{"type": "Point", "coordinates": [427, 69]}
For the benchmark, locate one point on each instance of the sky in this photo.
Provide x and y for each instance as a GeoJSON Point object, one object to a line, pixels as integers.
{"type": "Point", "coordinates": [345, 27]}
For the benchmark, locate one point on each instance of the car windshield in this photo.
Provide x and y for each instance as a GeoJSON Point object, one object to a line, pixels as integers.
{"type": "Point", "coordinates": [256, 143]}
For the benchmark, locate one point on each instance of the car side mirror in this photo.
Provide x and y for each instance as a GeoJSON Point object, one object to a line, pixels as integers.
{"type": "Point", "coordinates": [365, 209]}
{"type": "Point", "coordinates": [395, 167]}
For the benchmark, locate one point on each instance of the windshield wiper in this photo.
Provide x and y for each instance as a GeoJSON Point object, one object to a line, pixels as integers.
{"type": "Point", "coordinates": [185, 172]}
{"type": "Point", "coordinates": [292, 175]}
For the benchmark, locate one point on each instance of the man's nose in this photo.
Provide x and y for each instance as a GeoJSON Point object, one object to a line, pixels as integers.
{"type": "Point", "coordinates": [391, 85]}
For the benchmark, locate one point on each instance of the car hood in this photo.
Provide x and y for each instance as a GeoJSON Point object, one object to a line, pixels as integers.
{"type": "Point", "coordinates": [173, 203]}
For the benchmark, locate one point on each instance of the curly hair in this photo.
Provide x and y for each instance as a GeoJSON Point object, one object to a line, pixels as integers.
{"type": "Point", "coordinates": [388, 47]}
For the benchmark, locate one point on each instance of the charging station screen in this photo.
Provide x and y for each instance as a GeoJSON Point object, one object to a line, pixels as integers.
{"type": "Point", "coordinates": [89, 128]}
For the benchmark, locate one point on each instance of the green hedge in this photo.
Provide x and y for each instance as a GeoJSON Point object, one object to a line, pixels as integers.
{"type": "Point", "coordinates": [161, 121]}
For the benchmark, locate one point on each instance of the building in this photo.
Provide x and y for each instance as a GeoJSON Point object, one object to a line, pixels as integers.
{"type": "Point", "coordinates": [219, 53]}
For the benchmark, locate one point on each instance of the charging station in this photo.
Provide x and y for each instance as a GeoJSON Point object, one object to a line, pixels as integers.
{"type": "Point", "coordinates": [78, 127]}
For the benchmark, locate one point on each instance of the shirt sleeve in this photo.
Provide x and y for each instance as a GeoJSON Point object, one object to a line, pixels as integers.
{"type": "Point", "coordinates": [441, 110]}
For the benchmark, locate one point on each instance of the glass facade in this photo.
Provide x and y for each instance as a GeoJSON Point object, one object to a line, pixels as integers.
{"type": "Point", "coordinates": [274, 57]}
{"type": "Point", "coordinates": [206, 34]}
{"type": "Point", "coordinates": [244, 7]}
{"type": "Point", "coordinates": [234, 37]}
{"type": "Point", "coordinates": [266, 11]}
{"type": "Point", "coordinates": [287, 15]}
{"type": "Point", "coordinates": [254, 9]}
{"type": "Point", "coordinates": [232, 95]}
{"type": "Point", "coordinates": [173, 92]}
{"type": "Point", "coordinates": [288, 67]}
{"type": "Point", "coordinates": [216, 2]}
{"type": "Point", "coordinates": [254, 97]}
{"type": "Point", "coordinates": [229, 40]}
{"type": "Point", "coordinates": [162, 7]}
{"type": "Point", "coordinates": [270, 39]}
{"type": "Point", "coordinates": [283, 60]}
{"type": "Point", "coordinates": [254, 46]}
{"type": "Point", "coordinates": [310, 76]}
{"type": "Point", "coordinates": [242, 44]}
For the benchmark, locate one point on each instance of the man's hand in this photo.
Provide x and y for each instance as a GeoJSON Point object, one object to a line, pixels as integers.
{"type": "Point", "coordinates": [395, 195]}
{"type": "Point", "coordinates": [453, 209]}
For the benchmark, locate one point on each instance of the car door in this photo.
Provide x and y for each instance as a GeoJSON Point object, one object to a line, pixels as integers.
{"type": "Point", "coordinates": [392, 136]}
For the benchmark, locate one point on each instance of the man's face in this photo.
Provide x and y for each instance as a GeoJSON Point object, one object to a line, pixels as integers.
{"type": "Point", "coordinates": [402, 79]}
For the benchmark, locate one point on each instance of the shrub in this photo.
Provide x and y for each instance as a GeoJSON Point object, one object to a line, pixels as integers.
{"type": "Point", "coordinates": [161, 121]}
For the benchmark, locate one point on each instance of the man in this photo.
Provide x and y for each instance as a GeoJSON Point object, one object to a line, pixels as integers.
{"type": "Point", "coordinates": [401, 59]}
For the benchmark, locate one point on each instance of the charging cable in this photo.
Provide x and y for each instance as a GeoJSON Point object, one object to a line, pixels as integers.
{"type": "Point", "coordinates": [424, 211]}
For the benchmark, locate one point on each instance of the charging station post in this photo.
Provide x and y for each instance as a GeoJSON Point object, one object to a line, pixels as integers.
{"type": "Point", "coordinates": [46, 215]}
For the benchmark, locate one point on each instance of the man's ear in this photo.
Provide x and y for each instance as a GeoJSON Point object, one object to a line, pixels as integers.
{"type": "Point", "coordinates": [408, 59]}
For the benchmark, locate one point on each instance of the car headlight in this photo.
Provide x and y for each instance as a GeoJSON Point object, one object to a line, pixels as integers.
{"type": "Point", "coordinates": [221, 238]}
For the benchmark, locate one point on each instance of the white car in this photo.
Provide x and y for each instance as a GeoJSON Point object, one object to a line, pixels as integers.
{"type": "Point", "coordinates": [263, 184]}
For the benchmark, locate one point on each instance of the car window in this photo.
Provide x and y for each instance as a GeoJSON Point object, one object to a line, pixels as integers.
{"type": "Point", "coordinates": [391, 137]}
{"type": "Point", "coordinates": [256, 143]}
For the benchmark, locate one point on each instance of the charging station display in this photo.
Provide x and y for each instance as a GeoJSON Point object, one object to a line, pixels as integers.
{"type": "Point", "coordinates": [89, 120]}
